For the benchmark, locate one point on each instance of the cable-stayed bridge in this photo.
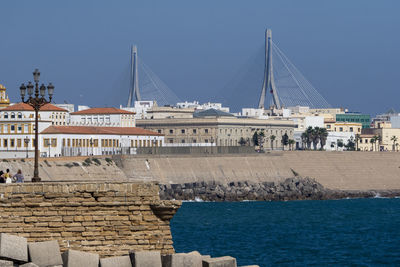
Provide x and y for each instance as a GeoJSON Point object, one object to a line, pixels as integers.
{"type": "Point", "coordinates": [146, 85]}
{"type": "Point", "coordinates": [269, 77]}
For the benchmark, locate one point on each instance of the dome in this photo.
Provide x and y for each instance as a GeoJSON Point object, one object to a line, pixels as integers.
{"type": "Point", "coordinates": [2, 87]}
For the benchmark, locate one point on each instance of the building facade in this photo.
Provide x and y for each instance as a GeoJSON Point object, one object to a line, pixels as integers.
{"type": "Point", "coordinates": [218, 131]}
{"type": "Point", "coordinates": [103, 117]}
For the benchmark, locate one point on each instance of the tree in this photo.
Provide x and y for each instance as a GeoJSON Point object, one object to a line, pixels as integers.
{"type": "Point", "coordinates": [372, 141]}
{"type": "Point", "coordinates": [255, 138]}
{"type": "Point", "coordinates": [285, 140]}
{"type": "Point", "coordinates": [309, 135]}
{"type": "Point", "coordinates": [303, 139]}
{"type": "Point", "coordinates": [394, 139]}
{"type": "Point", "coordinates": [350, 144]}
{"type": "Point", "coordinates": [272, 138]}
{"type": "Point", "coordinates": [242, 141]}
{"type": "Point", "coordinates": [315, 137]}
{"type": "Point", "coordinates": [323, 135]}
{"type": "Point", "coordinates": [340, 143]}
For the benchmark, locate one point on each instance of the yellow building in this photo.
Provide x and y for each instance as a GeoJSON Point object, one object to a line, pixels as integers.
{"type": "Point", "coordinates": [339, 126]}
{"type": "Point", "coordinates": [4, 101]}
{"type": "Point", "coordinates": [389, 139]}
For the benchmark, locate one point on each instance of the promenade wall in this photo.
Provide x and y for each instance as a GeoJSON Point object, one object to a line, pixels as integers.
{"type": "Point", "coordinates": [100, 217]}
{"type": "Point", "coordinates": [334, 170]}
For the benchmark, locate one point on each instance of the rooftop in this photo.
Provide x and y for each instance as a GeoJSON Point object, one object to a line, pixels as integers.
{"type": "Point", "coordinates": [25, 107]}
{"type": "Point", "coordinates": [212, 113]}
{"type": "Point", "coordinates": [92, 111]}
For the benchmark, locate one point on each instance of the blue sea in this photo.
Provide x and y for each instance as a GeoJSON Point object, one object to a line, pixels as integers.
{"type": "Point", "coordinates": [349, 232]}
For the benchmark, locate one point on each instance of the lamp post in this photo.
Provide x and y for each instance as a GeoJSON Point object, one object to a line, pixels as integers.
{"type": "Point", "coordinates": [26, 140]}
{"type": "Point", "coordinates": [36, 100]}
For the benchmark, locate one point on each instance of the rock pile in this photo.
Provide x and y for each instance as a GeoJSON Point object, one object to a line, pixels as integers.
{"type": "Point", "coordinates": [16, 251]}
{"type": "Point", "coordinates": [296, 188]}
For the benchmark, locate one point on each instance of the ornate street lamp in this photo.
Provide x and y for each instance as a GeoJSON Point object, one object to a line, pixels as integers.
{"type": "Point", "coordinates": [36, 100]}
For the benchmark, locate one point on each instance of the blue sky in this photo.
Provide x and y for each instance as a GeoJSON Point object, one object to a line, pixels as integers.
{"type": "Point", "coordinates": [349, 50]}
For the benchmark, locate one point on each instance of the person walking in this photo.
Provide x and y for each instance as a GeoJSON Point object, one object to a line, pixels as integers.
{"type": "Point", "coordinates": [18, 177]}
{"type": "Point", "coordinates": [7, 176]}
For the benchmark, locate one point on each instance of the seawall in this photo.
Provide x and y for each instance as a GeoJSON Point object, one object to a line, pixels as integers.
{"type": "Point", "coordinates": [334, 170]}
{"type": "Point", "coordinates": [101, 217]}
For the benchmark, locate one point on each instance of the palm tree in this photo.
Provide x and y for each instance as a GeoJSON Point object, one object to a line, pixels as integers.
{"type": "Point", "coordinates": [291, 143]}
{"type": "Point", "coordinates": [309, 134]}
{"type": "Point", "coordinates": [285, 140]}
{"type": "Point", "coordinates": [378, 140]}
{"type": "Point", "coordinates": [315, 137]}
{"type": "Point", "coordinates": [394, 139]}
{"type": "Point", "coordinates": [272, 138]}
{"type": "Point", "coordinates": [323, 135]}
{"type": "Point", "coordinates": [372, 141]}
{"type": "Point", "coordinates": [303, 139]}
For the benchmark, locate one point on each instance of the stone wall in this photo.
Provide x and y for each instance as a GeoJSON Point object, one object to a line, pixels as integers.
{"type": "Point", "coordinates": [105, 218]}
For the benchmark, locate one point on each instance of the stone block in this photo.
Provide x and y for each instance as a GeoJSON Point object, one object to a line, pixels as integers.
{"type": "Point", "coordinates": [13, 247]}
{"type": "Point", "coordinates": [220, 262]}
{"type": "Point", "coordinates": [74, 258]}
{"type": "Point", "coordinates": [5, 263]}
{"type": "Point", "coordinates": [192, 259]}
{"type": "Point", "coordinates": [45, 253]}
{"type": "Point", "coordinates": [29, 264]}
{"type": "Point", "coordinates": [145, 258]}
{"type": "Point", "coordinates": [121, 261]}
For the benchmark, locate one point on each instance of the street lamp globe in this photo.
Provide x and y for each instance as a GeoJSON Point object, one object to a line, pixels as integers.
{"type": "Point", "coordinates": [36, 75]}
{"type": "Point", "coordinates": [30, 89]}
{"type": "Point", "coordinates": [22, 88]}
{"type": "Point", "coordinates": [42, 90]}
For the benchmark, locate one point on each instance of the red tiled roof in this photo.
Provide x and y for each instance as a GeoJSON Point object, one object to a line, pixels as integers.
{"type": "Point", "coordinates": [98, 130]}
{"type": "Point", "coordinates": [102, 111]}
{"type": "Point", "coordinates": [25, 107]}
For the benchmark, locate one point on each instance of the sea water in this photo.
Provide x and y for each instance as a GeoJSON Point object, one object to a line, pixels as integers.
{"type": "Point", "coordinates": [349, 232]}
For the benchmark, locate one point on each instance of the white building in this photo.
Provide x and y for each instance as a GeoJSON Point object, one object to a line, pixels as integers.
{"type": "Point", "coordinates": [17, 124]}
{"type": "Point", "coordinates": [90, 140]}
{"type": "Point", "coordinates": [103, 117]}
{"type": "Point", "coordinates": [197, 106]}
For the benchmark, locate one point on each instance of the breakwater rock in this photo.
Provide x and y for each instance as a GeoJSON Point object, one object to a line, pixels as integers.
{"type": "Point", "coordinates": [16, 251]}
{"type": "Point", "coordinates": [296, 188]}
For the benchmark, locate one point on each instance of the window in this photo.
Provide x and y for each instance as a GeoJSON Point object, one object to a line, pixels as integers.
{"type": "Point", "coordinates": [5, 115]}
{"type": "Point", "coordinates": [12, 142]}
{"type": "Point", "coordinates": [340, 129]}
{"type": "Point", "coordinates": [46, 142]}
{"type": "Point", "coordinates": [12, 128]}
{"type": "Point", "coordinates": [26, 142]}
{"type": "Point", "coordinates": [328, 126]}
{"type": "Point", "coordinates": [63, 142]}
{"type": "Point", "coordinates": [194, 131]}
{"type": "Point", "coordinates": [13, 115]}
{"type": "Point", "coordinates": [19, 128]}
{"type": "Point", "coordinates": [183, 131]}
{"type": "Point", "coordinates": [53, 142]}
{"type": "Point", "coordinates": [19, 115]}
{"type": "Point", "coordinates": [136, 143]}
{"type": "Point", "coordinates": [26, 128]}
{"type": "Point", "coordinates": [159, 131]}
{"type": "Point", "coordinates": [351, 129]}
{"type": "Point", "coordinates": [69, 142]}
{"type": "Point", "coordinates": [366, 141]}
{"type": "Point", "coordinates": [206, 141]}
{"type": "Point", "coordinates": [96, 142]}
{"type": "Point", "coordinates": [182, 141]}
{"type": "Point", "coordinates": [171, 131]}
{"type": "Point", "coordinates": [18, 142]}
{"type": "Point", "coordinates": [5, 142]}
{"type": "Point", "coordinates": [206, 130]}
{"type": "Point", "coordinates": [360, 141]}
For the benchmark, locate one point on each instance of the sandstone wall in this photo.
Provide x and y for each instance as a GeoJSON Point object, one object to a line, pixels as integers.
{"type": "Point", "coordinates": [106, 218]}
{"type": "Point", "coordinates": [334, 170]}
